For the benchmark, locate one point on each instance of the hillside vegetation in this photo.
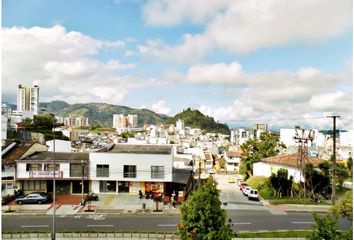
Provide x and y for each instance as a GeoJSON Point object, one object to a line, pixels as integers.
{"type": "Point", "coordinates": [195, 119]}
{"type": "Point", "coordinates": [102, 113]}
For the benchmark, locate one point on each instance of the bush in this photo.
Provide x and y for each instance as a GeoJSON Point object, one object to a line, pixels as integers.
{"type": "Point", "coordinates": [257, 182]}
{"type": "Point", "coordinates": [7, 199]}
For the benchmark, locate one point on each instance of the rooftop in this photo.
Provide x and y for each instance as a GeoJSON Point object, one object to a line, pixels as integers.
{"type": "Point", "coordinates": [292, 160]}
{"type": "Point", "coordinates": [143, 148]}
{"type": "Point", "coordinates": [59, 156]}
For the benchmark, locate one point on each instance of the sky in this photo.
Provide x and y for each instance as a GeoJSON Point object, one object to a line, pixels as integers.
{"type": "Point", "coordinates": [283, 63]}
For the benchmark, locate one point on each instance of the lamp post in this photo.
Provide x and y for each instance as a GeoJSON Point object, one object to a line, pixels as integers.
{"type": "Point", "coordinates": [54, 170]}
{"type": "Point", "coordinates": [82, 181]}
{"type": "Point", "coordinates": [54, 189]}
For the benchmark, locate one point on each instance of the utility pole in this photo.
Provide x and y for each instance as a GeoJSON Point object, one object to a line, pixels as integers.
{"type": "Point", "coordinates": [333, 196]}
{"type": "Point", "coordinates": [302, 137]}
{"type": "Point", "coordinates": [200, 171]}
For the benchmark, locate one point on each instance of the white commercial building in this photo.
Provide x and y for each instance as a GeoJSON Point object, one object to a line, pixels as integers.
{"type": "Point", "coordinates": [130, 168]}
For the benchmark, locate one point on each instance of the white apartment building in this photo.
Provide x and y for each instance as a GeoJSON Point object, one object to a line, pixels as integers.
{"type": "Point", "coordinates": [5, 120]}
{"type": "Point", "coordinates": [180, 125]}
{"type": "Point", "coordinates": [28, 99]}
{"type": "Point", "coordinates": [130, 168]}
{"type": "Point", "coordinates": [346, 138]}
{"type": "Point", "coordinates": [121, 122]}
{"type": "Point", "coordinates": [73, 121]}
{"type": "Point", "coordinates": [132, 121]}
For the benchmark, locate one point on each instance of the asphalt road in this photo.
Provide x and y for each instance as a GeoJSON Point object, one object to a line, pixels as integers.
{"type": "Point", "coordinates": [243, 220]}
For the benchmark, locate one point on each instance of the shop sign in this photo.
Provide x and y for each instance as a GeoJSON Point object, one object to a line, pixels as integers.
{"type": "Point", "coordinates": [45, 174]}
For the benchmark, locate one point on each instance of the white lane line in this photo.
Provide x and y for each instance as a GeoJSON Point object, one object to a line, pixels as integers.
{"type": "Point", "coordinates": [245, 223]}
{"type": "Point", "coordinates": [302, 222]}
{"type": "Point", "coordinates": [34, 226]}
{"type": "Point", "coordinates": [108, 225]}
{"type": "Point", "coordinates": [167, 225]}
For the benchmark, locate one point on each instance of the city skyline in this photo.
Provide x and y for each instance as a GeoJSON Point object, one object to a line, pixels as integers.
{"type": "Point", "coordinates": [234, 61]}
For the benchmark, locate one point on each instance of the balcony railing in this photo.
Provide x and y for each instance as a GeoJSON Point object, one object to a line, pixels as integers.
{"type": "Point", "coordinates": [45, 174]}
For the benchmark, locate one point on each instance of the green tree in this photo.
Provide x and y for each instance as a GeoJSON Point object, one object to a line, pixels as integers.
{"type": "Point", "coordinates": [254, 149]}
{"type": "Point", "coordinates": [281, 183]}
{"type": "Point", "coordinates": [350, 166]}
{"type": "Point", "coordinates": [202, 216]}
{"type": "Point", "coordinates": [126, 135]}
{"type": "Point", "coordinates": [342, 173]}
{"type": "Point", "coordinates": [324, 228]}
{"type": "Point", "coordinates": [344, 207]}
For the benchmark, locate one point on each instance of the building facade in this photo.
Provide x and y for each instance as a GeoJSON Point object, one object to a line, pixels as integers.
{"type": "Point", "coordinates": [28, 99]}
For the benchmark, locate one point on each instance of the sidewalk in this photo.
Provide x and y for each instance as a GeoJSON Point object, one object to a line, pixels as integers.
{"type": "Point", "coordinates": [295, 207]}
{"type": "Point", "coordinates": [107, 204]}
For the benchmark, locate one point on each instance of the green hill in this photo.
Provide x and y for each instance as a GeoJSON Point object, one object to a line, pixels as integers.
{"type": "Point", "coordinates": [102, 113]}
{"type": "Point", "coordinates": [195, 119]}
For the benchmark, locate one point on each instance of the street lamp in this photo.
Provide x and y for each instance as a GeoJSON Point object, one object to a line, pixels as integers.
{"type": "Point", "coordinates": [54, 168]}
{"type": "Point", "coordinates": [82, 181]}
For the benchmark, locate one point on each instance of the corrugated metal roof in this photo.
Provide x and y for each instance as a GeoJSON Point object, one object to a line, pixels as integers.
{"type": "Point", "coordinates": [146, 148]}
{"type": "Point", "coordinates": [16, 152]}
{"type": "Point", "coordinates": [48, 156]}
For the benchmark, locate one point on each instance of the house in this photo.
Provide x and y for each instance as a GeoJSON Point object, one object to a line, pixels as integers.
{"type": "Point", "coordinates": [233, 160]}
{"type": "Point", "coordinates": [11, 152]}
{"type": "Point", "coordinates": [36, 171]}
{"type": "Point", "coordinates": [290, 162]}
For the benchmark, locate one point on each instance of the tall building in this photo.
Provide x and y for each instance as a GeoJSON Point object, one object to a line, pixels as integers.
{"type": "Point", "coordinates": [121, 121]}
{"type": "Point", "coordinates": [28, 99]}
{"type": "Point", "coordinates": [180, 125]}
{"type": "Point", "coordinates": [132, 120]}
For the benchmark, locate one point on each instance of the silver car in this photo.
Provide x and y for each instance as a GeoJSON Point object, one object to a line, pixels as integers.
{"type": "Point", "coordinates": [38, 197]}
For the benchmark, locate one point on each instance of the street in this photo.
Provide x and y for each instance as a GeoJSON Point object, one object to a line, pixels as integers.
{"type": "Point", "coordinates": [243, 220]}
{"type": "Point", "coordinates": [245, 216]}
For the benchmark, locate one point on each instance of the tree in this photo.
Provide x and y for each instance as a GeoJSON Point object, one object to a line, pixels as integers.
{"type": "Point", "coordinates": [350, 166]}
{"type": "Point", "coordinates": [254, 149]}
{"type": "Point", "coordinates": [324, 228]}
{"type": "Point", "coordinates": [202, 216]}
{"type": "Point", "coordinates": [281, 183]}
{"type": "Point", "coordinates": [344, 207]}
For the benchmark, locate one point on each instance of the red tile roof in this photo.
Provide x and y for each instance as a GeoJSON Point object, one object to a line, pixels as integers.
{"type": "Point", "coordinates": [16, 152]}
{"type": "Point", "coordinates": [233, 154]}
{"type": "Point", "coordinates": [292, 160]}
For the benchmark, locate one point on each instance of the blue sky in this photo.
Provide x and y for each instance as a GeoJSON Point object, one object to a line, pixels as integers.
{"type": "Point", "coordinates": [238, 61]}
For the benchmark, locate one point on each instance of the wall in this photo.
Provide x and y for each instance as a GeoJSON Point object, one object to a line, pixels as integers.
{"type": "Point", "coordinates": [266, 169]}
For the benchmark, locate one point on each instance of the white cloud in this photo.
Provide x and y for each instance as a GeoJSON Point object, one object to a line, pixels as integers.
{"type": "Point", "coordinates": [161, 107]}
{"type": "Point", "coordinates": [116, 44]}
{"type": "Point", "coordinates": [64, 65]}
{"type": "Point", "coordinates": [276, 95]}
{"type": "Point", "coordinates": [214, 73]}
{"type": "Point", "coordinates": [167, 13]}
{"type": "Point", "coordinates": [247, 25]}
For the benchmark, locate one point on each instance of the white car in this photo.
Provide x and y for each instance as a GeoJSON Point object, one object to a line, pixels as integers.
{"type": "Point", "coordinates": [246, 190]}
{"type": "Point", "coordinates": [253, 194]}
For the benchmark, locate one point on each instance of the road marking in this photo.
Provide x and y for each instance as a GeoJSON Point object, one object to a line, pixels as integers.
{"type": "Point", "coordinates": [107, 225]}
{"type": "Point", "coordinates": [77, 217]}
{"type": "Point", "coordinates": [33, 226]}
{"type": "Point", "coordinates": [167, 225]}
{"type": "Point", "coordinates": [302, 222]}
{"type": "Point", "coordinates": [242, 223]}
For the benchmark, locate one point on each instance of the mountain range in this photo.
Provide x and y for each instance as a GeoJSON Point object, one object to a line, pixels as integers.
{"type": "Point", "coordinates": [102, 114]}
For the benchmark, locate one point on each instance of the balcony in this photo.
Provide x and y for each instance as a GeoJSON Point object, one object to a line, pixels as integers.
{"type": "Point", "coordinates": [45, 174]}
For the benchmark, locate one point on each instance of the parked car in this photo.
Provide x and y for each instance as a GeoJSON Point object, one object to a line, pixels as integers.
{"type": "Point", "coordinates": [243, 185]}
{"type": "Point", "coordinates": [246, 190]}
{"type": "Point", "coordinates": [34, 197]}
{"type": "Point", "coordinates": [211, 171]}
{"type": "Point", "coordinates": [253, 194]}
{"type": "Point", "coordinates": [231, 180]}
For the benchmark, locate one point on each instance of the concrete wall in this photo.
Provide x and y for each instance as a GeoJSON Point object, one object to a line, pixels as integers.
{"type": "Point", "coordinates": [266, 169]}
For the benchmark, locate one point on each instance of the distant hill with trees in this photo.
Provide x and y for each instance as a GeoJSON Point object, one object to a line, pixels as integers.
{"type": "Point", "coordinates": [101, 113]}
{"type": "Point", "coordinates": [195, 119]}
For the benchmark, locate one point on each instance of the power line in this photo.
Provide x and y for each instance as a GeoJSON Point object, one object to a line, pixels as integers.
{"type": "Point", "coordinates": [277, 119]}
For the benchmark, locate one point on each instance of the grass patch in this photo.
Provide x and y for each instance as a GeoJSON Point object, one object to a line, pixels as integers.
{"type": "Point", "coordinates": [288, 234]}
{"type": "Point", "coordinates": [294, 201]}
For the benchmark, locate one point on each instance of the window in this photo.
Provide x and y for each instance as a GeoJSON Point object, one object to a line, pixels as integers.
{"type": "Point", "coordinates": [50, 167]}
{"type": "Point", "coordinates": [76, 169]}
{"type": "Point", "coordinates": [34, 185]}
{"type": "Point", "coordinates": [33, 167]}
{"type": "Point", "coordinates": [129, 171]}
{"type": "Point", "coordinates": [157, 172]}
{"type": "Point", "coordinates": [102, 170]}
